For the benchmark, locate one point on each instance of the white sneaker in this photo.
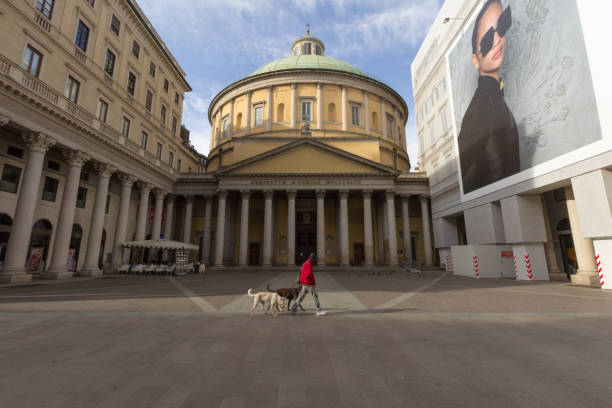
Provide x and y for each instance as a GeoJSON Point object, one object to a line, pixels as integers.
{"type": "Point", "coordinates": [321, 313]}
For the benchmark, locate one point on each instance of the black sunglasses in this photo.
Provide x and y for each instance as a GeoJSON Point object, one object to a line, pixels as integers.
{"type": "Point", "coordinates": [503, 24]}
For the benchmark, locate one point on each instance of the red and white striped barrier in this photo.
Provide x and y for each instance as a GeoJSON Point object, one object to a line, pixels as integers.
{"type": "Point", "coordinates": [515, 269]}
{"type": "Point", "coordinates": [602, 280]}
{"type": "Point", "coordinates": [476, 273]}
{"type": "Point", "coordinates": [528, 268]}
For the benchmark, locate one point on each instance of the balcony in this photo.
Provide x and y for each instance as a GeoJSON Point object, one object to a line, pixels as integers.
{"type": "Point", "coordinates": [81, 56]}
{"type": "Point", "coordinates": [42, 21]}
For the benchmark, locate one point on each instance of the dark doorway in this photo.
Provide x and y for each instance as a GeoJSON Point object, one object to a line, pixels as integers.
{"type": "Point", "coordinates": [75, 247]}
{"type": "Point", "coordinates": [101, 254]}
{"type": "Point", "coordinates": [358, 254]}
{"type": "Point", "coordinates": [413, 247]}
{"type": "Point", "coordinates": [39, 245]}
{"type": "Point", "coordinates": [5, 231]}
{"type": "Point", "coordinates": [566, 242]}
{"type": "Point", "coordinates": [254, 254]}
{"type": "Point", "coordinates": [305, 236]}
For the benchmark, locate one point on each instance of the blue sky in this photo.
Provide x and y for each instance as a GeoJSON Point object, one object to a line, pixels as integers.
{"type": "Point", "coordinates": [220, 41]}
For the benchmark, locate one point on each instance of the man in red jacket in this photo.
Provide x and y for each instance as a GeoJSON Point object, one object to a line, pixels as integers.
{"type": "Point", "coordinates": [307, 280]}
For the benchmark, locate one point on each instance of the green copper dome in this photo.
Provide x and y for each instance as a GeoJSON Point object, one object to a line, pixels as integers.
{"type": "Point", "coordinates": [307, 61]}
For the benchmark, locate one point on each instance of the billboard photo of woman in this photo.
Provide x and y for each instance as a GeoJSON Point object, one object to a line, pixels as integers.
{"type": "Point", "coordinates": [522, 95]}
{"type": "Point", "coordinates": [488, 140]}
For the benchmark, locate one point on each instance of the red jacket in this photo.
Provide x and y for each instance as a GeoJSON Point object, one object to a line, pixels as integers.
{"type": "Point", "coordinates": [307, 274]}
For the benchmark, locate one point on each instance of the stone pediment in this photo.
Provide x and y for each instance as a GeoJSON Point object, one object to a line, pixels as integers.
{"type": "Point", "coordinates": [307, 156]}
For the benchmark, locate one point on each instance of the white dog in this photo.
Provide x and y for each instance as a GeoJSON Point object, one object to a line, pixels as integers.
{"type": "Point", "coordinates": [268, 300]}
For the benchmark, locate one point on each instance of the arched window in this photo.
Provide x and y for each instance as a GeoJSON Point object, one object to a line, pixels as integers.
{"type": "Point", "coordinates": [375, 120]}
{"type": "Point", "coordinates": [238, 121]}
{"type": "Point", "coordinates": [331, 112]}
{"type": "Point", "coordinates": [280, 112]}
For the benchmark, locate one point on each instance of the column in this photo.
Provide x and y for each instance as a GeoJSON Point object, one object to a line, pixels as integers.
{"type": "Point", "coordinates": [291, 194]}
{"type": "Point", "coordinates": [122, 218]}
{"type": "Point", "coordinates": [270, 110]}
{"type": "Point", "coordinates": [188, 219]}
{"type": "Point", "coordinates": [220, 238]}
{"type": "Point", "coordinates": [247, 116]}
{"type": "Point", "coordinates": [319, 109]}
{"type": "Point", "coordinates": [19, 240]}
{"type": "Point", "coordinates": [383, 117]}
{"type": "Point", "coordinates": [143, 209]}
{"type": "Point", "coordinates": [91, 268]}
{"type": "Point", "coordinates": [585, 252]}
{"type": "Point", "coordinates": [267, 238]}
{"type": "Point", "coordinates": [244, 228]}
{"type": "Point", "coordinates": [292, 107]}
{"type": "Point", "coordinates": [157, 215]}
{"type": "Point", "coordinates": [344, 124]}
{"type": "Point", "coordinates": [426, 230]}
{"type": "Point", "coordinates": [169, 217]}
{"type": "Point", "coordinates": [366, 112]}
{"type": "Point", "coordinates": [57, 266]}
{"type": "Point", "coordinates": [207, 229]}
{"type": "Point", "coordinates": [231, 119]}
{"type": "Point", "coordinates": [406, 227]}
{"type": "Point", "coordinates": [393, 259]}
{"type": "Point", "coordinates": [321, 226]}
{"type": "Point", "coordinates": [368, 234]}
{"type": "Point", "coordinates": [344, 231]}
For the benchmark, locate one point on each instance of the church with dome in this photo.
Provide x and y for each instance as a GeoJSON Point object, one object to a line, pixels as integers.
{"type": "Point", "coordinates": [308, 154]}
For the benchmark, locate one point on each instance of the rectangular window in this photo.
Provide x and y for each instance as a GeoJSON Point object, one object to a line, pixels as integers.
{"type": "Point", "coordinates": [115, 24]}
{"type": "Point", "coordinates": [306, 48]}
{"type": "Point", "coordinates": [32, 60]}
{"type": "Point", "coordinates": [149, 100]}
{"type": "Point", "coordinates": [390, 127]}
{"type": "Point", "coordinates": [355, 115]}
{"type": "Point", "coordinates": [163, 114]}
{"type": "Point", "coordinates": [174, 126]}
{"type": "Point", "coordinates": [82, 36]}
{"type": "Point", "coordinates": [135, 49]}
{"type": "Point", "coordinates": [143, 140]}
{"type": "Point", "coordinates": [53, 165]}
{"type": "Point", "coordinates": [45, 7]}
{"type": "Point", "coordinates": [10, 179]}
{"type": "Point", "coordinates": [432, 134]}
{"type": "Point", "coordinates": [166, 85]}
{"type": "Point", "coordinates": [109, 63]}
{"type": "Point", "coordinates": [306, 110]}
{"type": "Point", "coordinates": [107, 204]}
{"type": "Point", "coordinates": [258, 115]}
{"type": "Point", "coordinates": [443, 120]}
{"type": "Point", "coordinates": [125, 127]}
{"type": "Point", "coordinates": [171, 159]}
{"type": "Point", "coordinates": [178, 165]}
{"type": "Point", "coordinates": [225, 127]}
{"type": "Point", "coordinates": [50, 189]}
{"type": "Point", "coordinates": [158, 153]}
{"type": "Point", "coordinates": [176, 98]}
{"type": "Point", "coordinates": [131, 85]}
{"type": "Point", "coordinates": [81, 197]}
{"type": "Point", "coordinates": [152, 69]}
{"type": "Point", "coordinates": [72, 89]}
{"type": "Point", "coordinates": [102, 110]}
{"type": "Point", "coordinates": [14, 151]}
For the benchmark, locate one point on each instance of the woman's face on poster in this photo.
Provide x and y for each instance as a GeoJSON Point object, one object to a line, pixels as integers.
{"type": "Point", "coordinates": [491, 62]}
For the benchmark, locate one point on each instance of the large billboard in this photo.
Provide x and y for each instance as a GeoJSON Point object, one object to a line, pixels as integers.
{"type": "Point", "coordinates": [522, 92]}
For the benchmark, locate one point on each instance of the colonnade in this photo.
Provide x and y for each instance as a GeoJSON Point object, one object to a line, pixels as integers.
{"type": "Point", "coordinates": [343, 236]}
{"type": "Point", "coordinates": [38, 144]}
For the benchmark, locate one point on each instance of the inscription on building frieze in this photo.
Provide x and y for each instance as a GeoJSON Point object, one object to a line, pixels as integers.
{"type": "Point", "coordinates": [306, 181]}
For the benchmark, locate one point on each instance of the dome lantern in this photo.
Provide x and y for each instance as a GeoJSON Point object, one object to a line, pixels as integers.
{"type": "Point", "coordinates": [307, 45]}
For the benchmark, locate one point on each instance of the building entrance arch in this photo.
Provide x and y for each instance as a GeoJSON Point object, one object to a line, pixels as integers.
{"type": "Point", "coordinates": [39, 245]}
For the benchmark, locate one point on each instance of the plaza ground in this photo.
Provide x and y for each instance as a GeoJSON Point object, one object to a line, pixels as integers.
{"type": "Point", "coordinates": [390, 340]}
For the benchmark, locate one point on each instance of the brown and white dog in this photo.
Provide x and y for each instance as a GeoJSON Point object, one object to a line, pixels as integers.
{"type": "Point", "coordinates": [268, 300]}
{"type": "Point", "coordinates": [287, 293]}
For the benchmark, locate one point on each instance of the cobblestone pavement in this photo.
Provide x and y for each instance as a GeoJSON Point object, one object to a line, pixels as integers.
{"type": "Point", "coordinates": [390, 340]}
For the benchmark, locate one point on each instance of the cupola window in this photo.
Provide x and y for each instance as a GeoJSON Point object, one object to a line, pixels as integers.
{"type": "Point", "coordinates": [318, 49]}
{"type": "Point", "coordinates": [307, 48]}
{"type": "Point", "coordinates": [306, 111]}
